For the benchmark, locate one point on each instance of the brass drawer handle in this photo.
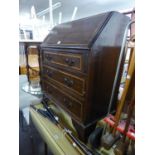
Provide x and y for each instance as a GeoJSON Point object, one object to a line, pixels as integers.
{"type": "Point", "coordinates": [68, 103]}
{"type": "Point", "coordinates": [48, 73]}
{"type": "Point", "coordinates": [68, 82]}
{"type": "Point", "coordinates": [48, 57]}
{"type": "Point", "coordinates": [70, 62]}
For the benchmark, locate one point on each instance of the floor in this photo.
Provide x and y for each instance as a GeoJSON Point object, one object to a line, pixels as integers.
{"type": "Point", "coordinates": [24, 142]}
{"type": "Point", "coordinates": [25, 99]}
{"type": "Point", "coordinates": [30, 142]}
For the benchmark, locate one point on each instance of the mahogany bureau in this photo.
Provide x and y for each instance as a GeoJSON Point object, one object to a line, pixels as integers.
{"type": "Point", "coordinates": [78, 65]}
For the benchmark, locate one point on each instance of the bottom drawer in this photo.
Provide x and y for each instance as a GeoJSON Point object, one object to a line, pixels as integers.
{"type": "Point", "coordinates": [68, 103]}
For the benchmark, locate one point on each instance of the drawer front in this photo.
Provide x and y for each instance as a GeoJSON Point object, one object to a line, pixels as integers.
{"type": "Point", "coordinates": [70, 104]}
{"type": "Point", "coordinates": [72, 82]}
{"type": "Point", "coordinates": [74, 61]}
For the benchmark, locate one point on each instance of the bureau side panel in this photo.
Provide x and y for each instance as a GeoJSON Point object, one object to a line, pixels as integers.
{"type": "Point", "coordinates": [104, 59]}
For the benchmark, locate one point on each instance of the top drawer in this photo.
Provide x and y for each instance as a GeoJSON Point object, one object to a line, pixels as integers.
{"type": "Point", "coordinates": [69, 60]}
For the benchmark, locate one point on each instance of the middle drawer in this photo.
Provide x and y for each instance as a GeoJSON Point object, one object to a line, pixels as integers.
{"type": "Point", "coordinates": [72, 82]}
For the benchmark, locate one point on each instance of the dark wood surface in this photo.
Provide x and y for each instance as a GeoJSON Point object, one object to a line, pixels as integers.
{"type": "Point", "coordinates": [84, 130]}
{"type": "Point", "coordinates": [69, 81]}
{"type": "Point", "coordinates": [78, 70]}
{"type": "Point", "coordinates": [66, 59]}
{"type": "Point", "coordinates": [73, 106]}
{"type": "Point", "coordinates": [77, 34]}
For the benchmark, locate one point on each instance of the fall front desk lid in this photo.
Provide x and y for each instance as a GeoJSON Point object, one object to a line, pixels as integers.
{"type": "Point", "coordinates": [77, 34]}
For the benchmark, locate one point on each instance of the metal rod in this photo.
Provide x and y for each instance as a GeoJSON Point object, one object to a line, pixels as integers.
{"type": "Point", "coordinates": [60, 17]}
{"type": "Point", "coordinates": [128, 12]}
{"type": "Point", "coordinates": [51, 13]}
{"type": "Point", "coordinates": [54, 6]}
{"type": "Point", "coordinates": [119, 64]}
{"type": "Point", "coordinates": [74, 13]}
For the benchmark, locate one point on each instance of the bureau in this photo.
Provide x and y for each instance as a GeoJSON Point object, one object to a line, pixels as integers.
{"type": "Point", "coordinates": [78, 63]}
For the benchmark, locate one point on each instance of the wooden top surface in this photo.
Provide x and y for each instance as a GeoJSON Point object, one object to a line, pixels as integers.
{"type": "Point", "coordinates": [77, 33]}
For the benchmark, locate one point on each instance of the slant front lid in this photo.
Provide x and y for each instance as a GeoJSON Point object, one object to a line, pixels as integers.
{"type": "Point", "coordinates": [78, 33]}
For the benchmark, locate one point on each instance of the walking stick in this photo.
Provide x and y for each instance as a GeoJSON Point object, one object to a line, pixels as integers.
{"type": "Point", "coordinates": [121, 147]}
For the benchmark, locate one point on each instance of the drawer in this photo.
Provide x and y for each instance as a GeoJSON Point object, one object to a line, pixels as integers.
{"type": "Point", "coordinates": [70, 104]}
{"type": "Point", "coordinates": [69, 81]}
{"type": "Point", "coordinates": [69, 60]}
